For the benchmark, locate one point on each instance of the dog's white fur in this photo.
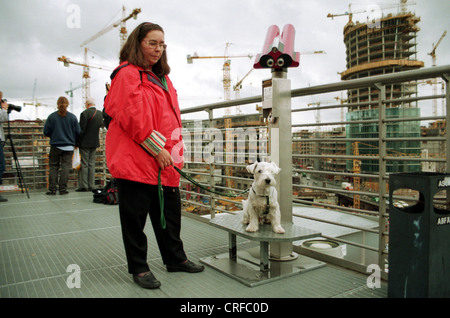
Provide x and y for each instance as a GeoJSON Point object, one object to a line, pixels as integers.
{"type": "Point", "coordinates": [255, 206]}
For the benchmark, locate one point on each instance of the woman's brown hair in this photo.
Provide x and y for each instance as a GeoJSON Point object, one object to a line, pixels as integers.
{"type": "Point", "coordinates": [131, 51]}
{"type": "Point", "coordinates": [62, 104]}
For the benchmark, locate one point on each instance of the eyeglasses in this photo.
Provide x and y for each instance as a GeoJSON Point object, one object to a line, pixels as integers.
{"type": "Point", "coordinates": [154, 44]}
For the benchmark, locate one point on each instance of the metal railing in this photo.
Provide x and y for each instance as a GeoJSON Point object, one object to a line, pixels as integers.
{"type": "Point", "coordinates": [320, 165]}
{"type": "Point", "coordinates": [219, 148]}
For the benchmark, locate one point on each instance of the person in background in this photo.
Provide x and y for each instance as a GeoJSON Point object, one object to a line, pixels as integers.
{"type": "Point", "coordinates": [3, 117]}
{"type": "Point", "coordinates": [142, 134]}
{"type": "Point", "coordinates": [91, 120]}
{"type": "Point", "coordinates": [63, 129]}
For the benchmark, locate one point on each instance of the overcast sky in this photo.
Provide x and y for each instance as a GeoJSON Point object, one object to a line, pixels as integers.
{"type": "Point", "coordinates": [34, 33]}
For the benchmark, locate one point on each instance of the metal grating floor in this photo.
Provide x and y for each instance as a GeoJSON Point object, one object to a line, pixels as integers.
{"type": "Point", "coordinates": [41, 236]}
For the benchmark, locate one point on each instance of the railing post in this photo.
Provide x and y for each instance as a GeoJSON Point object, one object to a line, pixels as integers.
{"type": "Point", "coordinates": [446, 78]}
{"type": "Point", "coordinates": [382, 216]}
{"type": "Point", "coordinates": [211, 166]}
{"type": "Point", "coordinates": [281, 153]}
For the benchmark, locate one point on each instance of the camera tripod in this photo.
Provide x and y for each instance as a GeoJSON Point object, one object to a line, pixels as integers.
{"type": "Point", "coordinates": [16, 161]}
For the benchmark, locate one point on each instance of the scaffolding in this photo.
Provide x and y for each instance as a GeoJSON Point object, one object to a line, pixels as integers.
{"type": "Point", "coordinates": [388, 47]}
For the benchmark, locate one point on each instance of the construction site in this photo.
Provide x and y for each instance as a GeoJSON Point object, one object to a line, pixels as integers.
{"type": "Point", "coordinates": [339, 169]}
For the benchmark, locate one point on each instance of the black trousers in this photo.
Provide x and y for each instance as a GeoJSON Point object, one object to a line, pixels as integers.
{"type": "Point", "coordinates": [60, 164]}
{"type": "Point", "coordinates": [136, 201]}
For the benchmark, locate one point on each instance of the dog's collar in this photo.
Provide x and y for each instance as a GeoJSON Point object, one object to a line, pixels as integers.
{"type": "Point", "coordinates": [266, 211]}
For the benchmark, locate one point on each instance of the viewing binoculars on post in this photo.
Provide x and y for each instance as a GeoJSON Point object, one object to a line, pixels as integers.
{"type": "Point", "coordinates": [278, 52]}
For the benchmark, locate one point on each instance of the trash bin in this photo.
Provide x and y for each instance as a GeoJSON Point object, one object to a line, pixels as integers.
{"type": "Point", "coordinates": [419, 238]}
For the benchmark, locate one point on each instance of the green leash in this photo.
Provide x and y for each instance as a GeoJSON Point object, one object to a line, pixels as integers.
{"type": "Point", "coordinates": [191, 180]}
{"type": "Point", "coordinates": [161, 201]}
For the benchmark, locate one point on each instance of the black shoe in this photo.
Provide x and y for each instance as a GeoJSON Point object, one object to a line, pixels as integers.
{"type": "Point", "coordinates": [188, 267]}
{"type": "Point", "coordinates": [2, 199]}
{"type": "Point", "coordinates": [51, 193]}
{"type": "Point", "coordinates": [147, 281]}
{"type": "Point", "coordinates": [63, 192]}
{"type": "Point", "coordinates": [81, 190]}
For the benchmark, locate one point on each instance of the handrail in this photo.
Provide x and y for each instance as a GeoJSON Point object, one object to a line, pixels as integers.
{"type": "Point", "coordinates": [382, 157]}
{"type": "Point", "coordinates": [406, 76]}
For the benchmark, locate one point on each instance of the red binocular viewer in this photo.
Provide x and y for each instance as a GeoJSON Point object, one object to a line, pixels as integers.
{"type": "Point", "coordinates": [278, 52]}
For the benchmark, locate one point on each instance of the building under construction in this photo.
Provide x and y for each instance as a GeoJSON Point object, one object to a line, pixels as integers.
{"type": "Point", "coordinates": [384, 46]}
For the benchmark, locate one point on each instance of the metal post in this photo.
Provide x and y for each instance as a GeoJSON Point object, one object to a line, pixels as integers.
{"type": "Point", "coordinates": [446, 78]}
{"type": "Point", "coordinates": [382, 130]}
{"type": "Point", "coordinates": [211, 166]}
{"type": "Point", "coordinates": [281, 153]}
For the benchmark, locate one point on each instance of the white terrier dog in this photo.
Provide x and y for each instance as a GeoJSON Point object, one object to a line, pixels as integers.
{"type": "Point", "coordinates": [262, 203]}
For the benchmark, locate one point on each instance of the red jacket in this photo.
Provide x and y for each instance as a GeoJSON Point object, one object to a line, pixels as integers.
{"type": "Point", "coordinates": [145, 119]}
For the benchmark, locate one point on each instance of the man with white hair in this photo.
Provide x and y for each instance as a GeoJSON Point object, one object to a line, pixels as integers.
{"type": "Point", "coordinates": [91, 120]}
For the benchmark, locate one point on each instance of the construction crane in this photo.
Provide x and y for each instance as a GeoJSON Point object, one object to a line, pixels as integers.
{"type": "Point", "coordinates": [226, 68]}
{"type": "Point", "coordinates": [121, 23]}
{"type": "Point", "coordinates": [34, 101]}
{"type": "Point", "coordinates": [86, 66]}
{"type": "Point", "coordinates": [70, 92]}
{"type": "Point", "coordinates": [317, 114]}
{"type": "Point", "coordinates": [237, 87]}
{"type": "Point", "coordinates": [403, 7]}
{"type": "Point", "coordinates": [433, 57]}
{"type": "Point", "coordinates": [86, 77]}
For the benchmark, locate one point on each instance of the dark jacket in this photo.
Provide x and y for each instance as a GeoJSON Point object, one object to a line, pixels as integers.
{"type": "Point", "coordinates": [91, 120]}
{"type": "Point", "coordinates": [63, 131]}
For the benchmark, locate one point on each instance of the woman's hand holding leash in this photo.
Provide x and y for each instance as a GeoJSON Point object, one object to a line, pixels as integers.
{"type": "Point", "coordinates": [164, 159]}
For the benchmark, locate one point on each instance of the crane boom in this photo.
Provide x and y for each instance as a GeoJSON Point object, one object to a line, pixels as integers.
{"type": "Point", "coordinates": [133, 15]}
{"type": "Point", "coordinates": [190, 57]}
{"type": "Point", "coordinates": [226, 68]}
{"type": "Point", "coordinates": [68, 61]}
{"type": "Point", "coordinates": [433, 51]}
{"type": "Point", "coordinates": [403, 7]}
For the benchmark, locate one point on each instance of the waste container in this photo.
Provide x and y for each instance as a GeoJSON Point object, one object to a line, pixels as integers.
{"type": "Point", "coordinates": [419, 238]}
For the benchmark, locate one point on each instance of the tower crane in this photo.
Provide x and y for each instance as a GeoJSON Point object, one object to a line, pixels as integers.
{"type": "Point", "coordinates": [226, 67]}
{"type": "Point", "coordinates": [433, 51]}
{"type": "Point", "coordinates": [34, 101]}
{"type": "Point", "coordinates": [403, 7]}
{"type": "Point", "coordinates": [121, 23]}
{"type": "Point", "coordinates": [86, 66]}
{"type": "Point", "coordinates": [226, 88]}
{"type": "Point", "coordinates": [70, 92]}
{"type": "Point", "coordinates": [238, 85]}
{"type": "Point", "coordinates": [86, 77]}
{"type": "Point", "coordinates": [433, 57]}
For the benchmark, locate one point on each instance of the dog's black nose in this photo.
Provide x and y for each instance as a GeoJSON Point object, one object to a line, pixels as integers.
{"type": "Point", "coordinates": [267, 181]}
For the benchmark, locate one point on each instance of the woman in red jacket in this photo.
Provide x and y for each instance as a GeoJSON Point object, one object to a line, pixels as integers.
{"type": "Point", "coordinates": [142, 143]}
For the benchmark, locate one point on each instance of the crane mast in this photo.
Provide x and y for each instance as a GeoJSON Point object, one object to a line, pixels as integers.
{"type": "Point", "coordinates": [226, 68]}
{"type": "Point", "coordinates": [86, 67]}
{"type": "Point", "coordinates": [122, 30]}
{"type": "Point", "coordinates": [433, 57]}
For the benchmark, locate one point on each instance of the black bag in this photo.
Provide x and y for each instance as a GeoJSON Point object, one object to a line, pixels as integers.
{"type": "Point", "coordinates": [107, 195]}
